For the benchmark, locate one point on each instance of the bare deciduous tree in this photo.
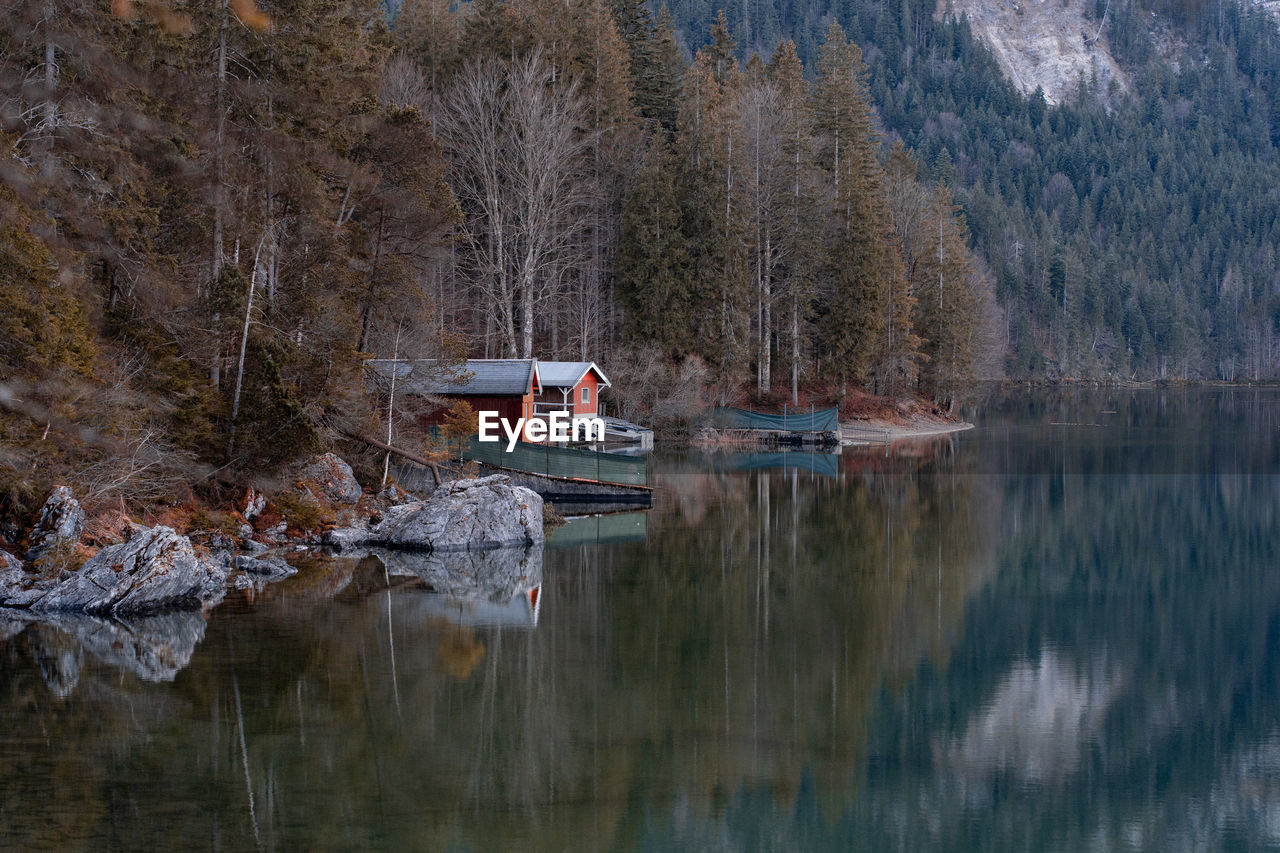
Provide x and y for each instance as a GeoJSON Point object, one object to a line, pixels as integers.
{"type": "Point", "coordinates": [517, 159]}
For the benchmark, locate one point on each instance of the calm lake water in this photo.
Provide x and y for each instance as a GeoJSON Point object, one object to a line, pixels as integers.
{"type": "Point", "coordinates": [1058, 631]}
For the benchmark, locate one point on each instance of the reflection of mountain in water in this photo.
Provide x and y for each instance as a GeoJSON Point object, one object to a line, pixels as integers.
{"type": "Point", "coordinates": [909, 656]}
{"type": "Point", "coordinates": [1037, 725]}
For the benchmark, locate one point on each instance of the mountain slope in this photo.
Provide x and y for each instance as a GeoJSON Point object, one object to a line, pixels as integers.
{"type": "Point", "coordinates": [1045, 44]}
{"type": "Point", "coordinates": [1130, 235]}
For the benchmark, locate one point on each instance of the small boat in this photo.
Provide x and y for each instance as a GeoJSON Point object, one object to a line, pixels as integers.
{"type": "Point", "coordinates": [616, 430]}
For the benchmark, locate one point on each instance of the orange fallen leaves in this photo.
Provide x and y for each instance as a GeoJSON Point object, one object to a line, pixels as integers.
{"type": "Point", "coordinates": [245, 10]}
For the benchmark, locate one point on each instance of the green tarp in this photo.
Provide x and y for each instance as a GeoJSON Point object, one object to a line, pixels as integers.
{"type": "Point", "coordinates": [824, 420]}
{"type": "Point", "coordinates": [562, 462]}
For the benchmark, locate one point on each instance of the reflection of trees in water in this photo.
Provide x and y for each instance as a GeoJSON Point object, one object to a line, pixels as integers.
{"type": "Point", "coordinates": [1150, 603]}
{"type": "Point", "coordinates": [733, 651]}
{"type": "Point", "coordinates": [761, 637]}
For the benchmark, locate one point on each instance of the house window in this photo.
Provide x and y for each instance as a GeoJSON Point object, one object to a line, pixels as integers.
{"type": "Point", "coordinates": [586, 395]}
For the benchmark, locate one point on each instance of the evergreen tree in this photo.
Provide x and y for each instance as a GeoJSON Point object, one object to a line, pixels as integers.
{"type": "Point", "coordinates": [654, 281]}
{"type": "Point", "coordinates": [800, 208]}
{"type": "Point", "coordinates": [867, 331]}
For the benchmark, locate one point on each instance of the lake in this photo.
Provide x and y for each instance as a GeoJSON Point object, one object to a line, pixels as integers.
{"type": "Point", "coordinates": [1057, 631]}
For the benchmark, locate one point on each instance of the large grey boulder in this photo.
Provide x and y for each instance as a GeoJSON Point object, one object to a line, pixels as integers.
{"type": "Point", "coordinates": [61, 523]}
{"type": "Point", "coordinates": [462, 515]}
{"type": "Point", "coordinates": [334, 477]}
{"type": "Point", "coordinates": [466, 515]}
{"type": "Point", "coordinates": [157, 569]}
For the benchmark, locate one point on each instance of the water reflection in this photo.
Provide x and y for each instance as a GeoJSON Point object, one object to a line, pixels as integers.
{"type": "Point", "coordinates": [1037, 726]}
{"type": "Point", "coordinates": [818, 463]}
{"type": "Point", "coordinates": [154, 648]}
{"type": "Point", "coordinates": [930, 651]}
{"type": "Point", "coordinates": [500, 587]}
{"type": "Point", "coordinates": [497, 575]}
{"type": "Point", "coordinates": [606, 529]}
{"type": "Point", "coordinates": [496, 588]}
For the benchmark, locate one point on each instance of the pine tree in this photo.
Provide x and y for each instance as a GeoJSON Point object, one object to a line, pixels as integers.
{"type": "Point", "coordinates": [867, 328]}
{"type": "Point", "coordinates": [658, 95]}
{"type": "Point", "coordinates": [653, 268]}
{"type": "Point", "coordinates": [800, 210]}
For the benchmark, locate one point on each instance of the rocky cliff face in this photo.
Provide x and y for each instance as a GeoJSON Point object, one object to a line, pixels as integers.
{"type": "Point", "coordinates": [1045, 43]}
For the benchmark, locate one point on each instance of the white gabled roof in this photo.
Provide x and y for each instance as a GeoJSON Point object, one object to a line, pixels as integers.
{"type": "Point", "coordinates": [566, 374]}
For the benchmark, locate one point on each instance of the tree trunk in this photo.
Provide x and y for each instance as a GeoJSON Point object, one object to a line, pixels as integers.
{"type": "Point", "coordinates": [244, 343]}
{"type": "Point", "coordinates": [366, 319]}
{"type": "Point", "coordinates": [795, 352]}
{"type": "Point", "coordinates": [391, 405]}
{"type": "Point", "coordinates": [766, 323]}
{"type": "Point", "coordinates": [404, 454]}
{"type": "Point", "coordinates": [50, 87]}
{"type": "Point", "coordinates": [216, 264]}
{"type": "Point", "coordinates": [526, 315]}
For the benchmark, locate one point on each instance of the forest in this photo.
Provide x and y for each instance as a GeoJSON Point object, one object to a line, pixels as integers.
{"type": "Point", "coordinates": [214, 213]}
{"type": "Point", "coordinates": [1130, 235]}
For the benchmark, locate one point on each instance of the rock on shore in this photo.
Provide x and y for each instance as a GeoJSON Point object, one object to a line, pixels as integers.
{"type": "Point", "coordinates": [157, 569]}
{"type": "Point", "coordinates": [61, 523]}
{"type": "Point", "coordinates": [463, 515]}
{"type": "Point", "coordinates": [334, 477]}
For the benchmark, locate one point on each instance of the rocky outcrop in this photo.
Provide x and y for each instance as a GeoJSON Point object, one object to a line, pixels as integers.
{"type": "Point", "coordinates": [18, 587]}
{"type": "Point", "coordinates": [61, 523]}
{"type": "Point", "coordinates": [463, 515]}
{"type": "Point", "coordinates": [393, 494]}
{"type": "Point", "coordinates": [1052, 46]}
{"type": "Point", "coordinates": [348, 538]}
{"type": "Point", "coordinates": [254, 503]}
{"type": "Point", "coordinates": [157, 569]}
{"type": "Point", "coordinates": [334, 477]}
